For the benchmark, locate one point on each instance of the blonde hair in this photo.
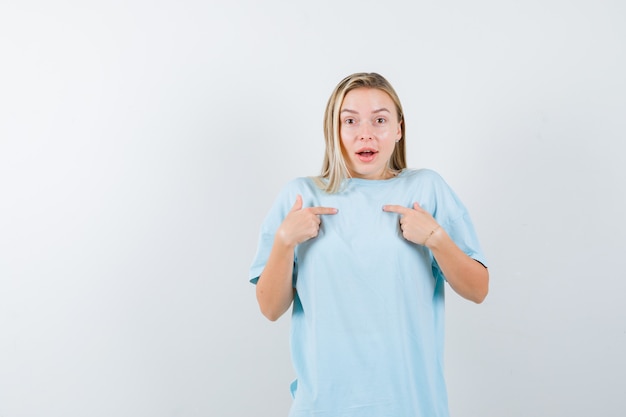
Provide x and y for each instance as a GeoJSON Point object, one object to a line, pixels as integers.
{"type": "Point", "coordinates": [334, 168]}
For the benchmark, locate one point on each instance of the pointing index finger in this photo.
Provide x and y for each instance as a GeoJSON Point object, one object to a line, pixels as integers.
{"type": "Point", "coordinates": [394, 208]}
{"type": "Point", "coordinates": [323, 210]}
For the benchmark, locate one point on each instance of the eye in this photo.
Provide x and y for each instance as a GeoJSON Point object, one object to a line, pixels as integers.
{"type": "Point", "coordinates": [349, 121]}
{"type": "Point", "coordinates": [381, 120]}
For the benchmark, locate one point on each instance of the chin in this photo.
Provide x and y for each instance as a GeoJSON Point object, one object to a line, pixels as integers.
{"type": "Point", "coordinates": [369, 175]}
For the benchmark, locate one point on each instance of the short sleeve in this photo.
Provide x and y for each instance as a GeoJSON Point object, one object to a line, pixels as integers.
{"type": "Point", "coordinates": [452, 215]}
{"type": "Point", "coordinates": [272, 221]}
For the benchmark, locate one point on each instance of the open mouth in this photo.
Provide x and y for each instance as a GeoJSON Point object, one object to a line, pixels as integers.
{"type": "Point", "coordinates": [366, 155]}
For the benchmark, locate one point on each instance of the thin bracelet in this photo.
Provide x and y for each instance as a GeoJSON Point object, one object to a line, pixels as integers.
{"type": "Point", "coordinates": [431, 233]}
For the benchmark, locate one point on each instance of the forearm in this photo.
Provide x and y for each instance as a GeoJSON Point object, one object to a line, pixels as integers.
{"type": "Point", "coordinates": [274, 289]}
{"type": "Point", "coordinates": [469, 278]}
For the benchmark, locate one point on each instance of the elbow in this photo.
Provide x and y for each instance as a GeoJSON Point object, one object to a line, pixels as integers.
{"type": "Point", "coordinates": [273, 301]}
{"type": "Point", "coordinates": [271, 308]}
{"type": "Point", "coordinates": [481, 293]}
{"type": "Point", "coordinates": [270, 314]}
{"type": "Point", "coordinates": [479, 297]}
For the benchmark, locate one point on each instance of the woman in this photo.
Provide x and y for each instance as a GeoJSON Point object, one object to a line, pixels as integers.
{"type": "Point", "coordinates": [362, 252]}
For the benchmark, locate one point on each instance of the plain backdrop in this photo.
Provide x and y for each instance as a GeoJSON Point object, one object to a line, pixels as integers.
{"type": "Point", "coordinates": [142, 143]}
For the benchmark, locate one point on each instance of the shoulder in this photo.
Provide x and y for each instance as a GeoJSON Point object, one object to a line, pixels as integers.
{"type": "Point", "coordinates": [434, 190]}
{"type": "Point", "coordinates": [299, 185]}
{"type": "Point", "coordinates": [285, 199]}
{"type": "Point", "coordinates": [424, 176]}
{"type": "Point", "coordinates": [304, 186]}
{"type": "Point", "coordinates": [420, 173]}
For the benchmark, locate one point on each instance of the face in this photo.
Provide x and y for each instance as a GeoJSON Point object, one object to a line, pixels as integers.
{"type": "Point", "coordinates": [369, 129]}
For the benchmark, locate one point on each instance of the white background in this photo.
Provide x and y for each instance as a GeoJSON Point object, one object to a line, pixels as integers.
{"type": "Point", "coordinates": [142, 143]}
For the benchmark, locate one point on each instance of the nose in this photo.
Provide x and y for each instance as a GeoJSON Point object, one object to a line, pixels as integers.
{"type": "Point", "coordinates": [365, 132]}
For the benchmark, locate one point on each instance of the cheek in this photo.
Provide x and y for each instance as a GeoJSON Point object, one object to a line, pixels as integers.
{"type": "Point", "coordinates": [388, 134]}
{"type": "Point", "coordinates": [395, 132]}
{"type": "Point", "coordinates": [342, 144]}
{"type": "Point", "coordinates": [343, 133]}
{"type": "Point", "coordinates": [342, 138]}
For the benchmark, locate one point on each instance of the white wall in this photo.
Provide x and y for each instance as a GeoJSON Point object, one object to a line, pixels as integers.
{"type": "Point", "coordinates": [141, 143]}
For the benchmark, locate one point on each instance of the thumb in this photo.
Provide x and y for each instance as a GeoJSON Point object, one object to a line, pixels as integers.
{"type": "Point", "coordinates": [416, 206]}
{"type": "Point", "coordinates": [298, 204]}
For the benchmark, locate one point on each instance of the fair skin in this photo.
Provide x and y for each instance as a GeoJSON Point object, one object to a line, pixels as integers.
{"type": "Point", "coordinates": [274, 291]}
{"type": "Point", "coordinates": [369, 130]}
{"type": "Point", "coordinates": [469, 278]}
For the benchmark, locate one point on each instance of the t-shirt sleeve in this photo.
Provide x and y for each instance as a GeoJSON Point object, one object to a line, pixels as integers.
{"type": "Point", "coordinates": [272, 221]}
{"type": "Point", "coordinates": [452, 215]}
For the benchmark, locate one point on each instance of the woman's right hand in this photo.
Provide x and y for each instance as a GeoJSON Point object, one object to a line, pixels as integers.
{"type": "Point", "coordinates": [274, 288]}
{"type": "Point", "coordinates": [301, 224]}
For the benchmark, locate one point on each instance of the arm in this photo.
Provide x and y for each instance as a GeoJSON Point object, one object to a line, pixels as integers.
{"type": "Point", "coordinates": [466, 276]}
{"type": "Point", "coordinates": [274, 290]}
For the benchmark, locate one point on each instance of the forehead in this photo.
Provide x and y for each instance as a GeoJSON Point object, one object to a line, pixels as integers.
{"type": "Point", "coordinates": [363, 98]}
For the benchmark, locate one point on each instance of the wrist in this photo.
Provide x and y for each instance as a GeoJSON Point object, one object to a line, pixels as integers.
{"type": "Point", "coordinates": [433, 237]}
{"type": "Point", "coordinates": [283, 242]}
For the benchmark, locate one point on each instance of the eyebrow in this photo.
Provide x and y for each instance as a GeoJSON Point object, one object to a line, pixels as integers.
{"type": "Point", "coordinates": [375, 111]}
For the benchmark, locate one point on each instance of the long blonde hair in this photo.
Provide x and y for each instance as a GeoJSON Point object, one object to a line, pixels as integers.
{"type": "Point", "coordinates": [334, 168]}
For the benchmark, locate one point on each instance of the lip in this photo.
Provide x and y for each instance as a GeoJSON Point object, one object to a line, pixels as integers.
{"type": "Point", "coordinates": [366, 154]}
{"type": "Point", "coordinates": [367, 149]}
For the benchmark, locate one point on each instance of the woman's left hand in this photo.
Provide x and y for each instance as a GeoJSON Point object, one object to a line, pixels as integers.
{"type": "Point", "coordinates": [417, 224]}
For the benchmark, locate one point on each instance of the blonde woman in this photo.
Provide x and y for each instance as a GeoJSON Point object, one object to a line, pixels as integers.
{"type": "Point", "coordinates": [362, 253]}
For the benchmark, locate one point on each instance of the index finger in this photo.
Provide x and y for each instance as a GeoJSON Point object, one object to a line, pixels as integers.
{"type": "Point", "coordinates": [323, 210]}
{"type": "Point", "coordinates": [394, 208]}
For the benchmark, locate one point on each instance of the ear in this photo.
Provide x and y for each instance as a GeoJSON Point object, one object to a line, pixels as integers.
{"type": "Point", "coordinates": [399, 131]}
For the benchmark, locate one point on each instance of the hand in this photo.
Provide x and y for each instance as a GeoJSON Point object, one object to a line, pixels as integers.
{"type": "Point", "coordinates": [301, 224]}
{"type": "Point", "coordinates": [417, 224]}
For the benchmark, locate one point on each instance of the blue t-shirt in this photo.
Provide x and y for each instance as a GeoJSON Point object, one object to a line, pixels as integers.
{"type": "Point", "coordinates": [367, 329]}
